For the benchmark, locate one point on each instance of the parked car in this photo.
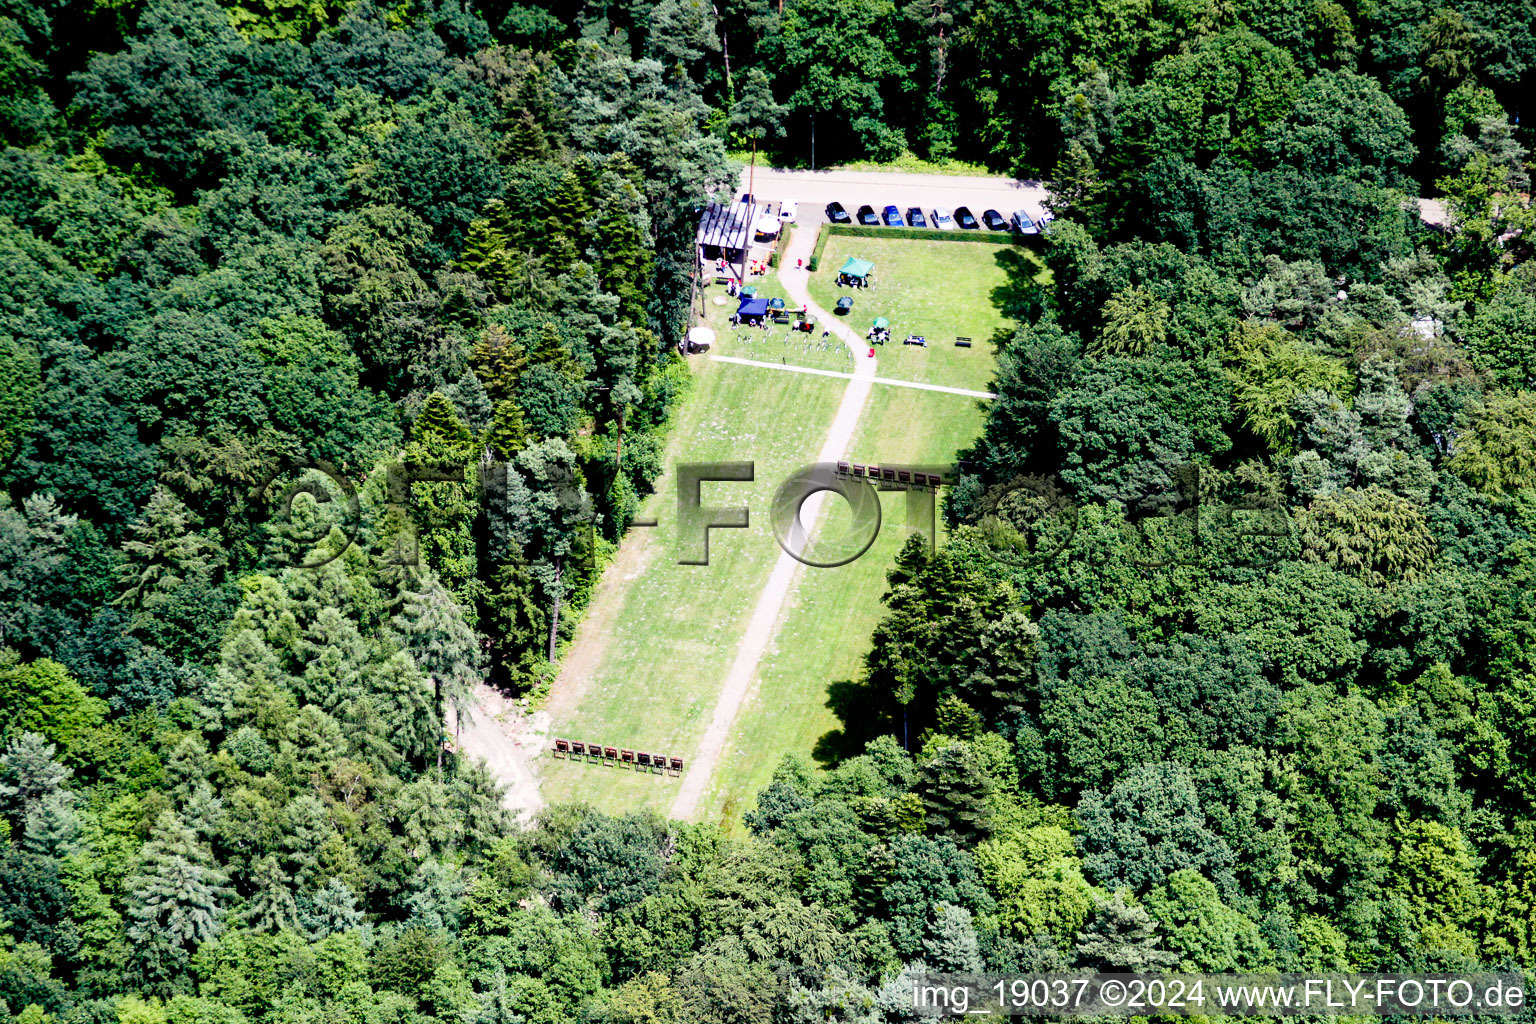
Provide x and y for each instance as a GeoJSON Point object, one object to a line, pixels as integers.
{"type": "Point", "coordinates": [942, 219]}
{"type": "Point", "coordinates": [1023, 225]}
{"type": "Point", "coordinates": [964, 218]}
{"type": "Point", "coordinates": [994, 221]}
{"type": "Point", "coordinates": [867, 216]}
{"type": "Point", "coordinates": [789, 211]}
{"type": "Point", "coordinates": [915, 217]}
{"type": "Point", "coordinates": [836, 214]}
{"type": "Point", "coordinates": [892, 217]}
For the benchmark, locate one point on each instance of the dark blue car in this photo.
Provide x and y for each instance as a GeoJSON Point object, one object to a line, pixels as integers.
{"type": "Point", "coordinates": [892, 217]}
{"type": "Point", "coordinates": [916, 219]}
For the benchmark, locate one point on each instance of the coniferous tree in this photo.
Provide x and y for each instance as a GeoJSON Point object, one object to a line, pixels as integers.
{"type": "Point", "coordinates": [29, 773]}
{"type": "Point", "coordinates": [1121, 937]}
{"type": "Point", "coordinates": [176, 902]}
{"type": "Point", "coordinates": [273, 907]}
{"type": "Point", "coordinates": [443, 645]}
{"type": "Point", "coordinates": [498, 360]}
{"type": "Point", "coordinates": [954, 946]}
{"type": "Point", "coordinates": [444, 505]}
{"type": "Point", "coordinates": [165, 553]}
{"type": "Point", "coordinates": [333, 909]}
{"type": "Point", "coordinates": [956, 794]}
{"type": "Point", "coordinates": [508, 433]}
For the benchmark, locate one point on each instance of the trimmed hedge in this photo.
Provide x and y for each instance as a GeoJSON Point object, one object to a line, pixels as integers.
{"type": "Point", "coordinates": [918, 234]}
{"type": "Point", "coordinates": [777, 256]}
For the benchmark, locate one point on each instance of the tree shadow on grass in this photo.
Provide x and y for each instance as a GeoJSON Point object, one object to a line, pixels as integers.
{"type": "Point", "coordinates": [1020, 297]}
{"type": "Point", "coordinates": [850, 702]}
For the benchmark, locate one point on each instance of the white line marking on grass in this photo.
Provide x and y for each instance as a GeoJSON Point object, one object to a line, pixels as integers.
{"type": "Point", "coordinates": [849, 376]}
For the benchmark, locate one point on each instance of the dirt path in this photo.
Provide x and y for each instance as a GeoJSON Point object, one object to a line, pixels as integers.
{"type": "Point", "coordinates": [583, 658]}
{"type": "Point", "coordinates": [772, 601]}
{"type": "Point", "coordinates": [507, 739]}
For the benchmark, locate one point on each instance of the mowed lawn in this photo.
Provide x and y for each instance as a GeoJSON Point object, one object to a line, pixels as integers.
{"type": "Point", "coordinates": [677, 627]}
{"type": "Point", "coordinates": [778, 344]}
{"type": "Point", "coordinates": [774, 343]}
{"type": "Point", "coordinates": [675, 635]}
{"type": "Point", "coordinates": [939, 290]}
{"type": "Point", "coordinates": [824, 633]}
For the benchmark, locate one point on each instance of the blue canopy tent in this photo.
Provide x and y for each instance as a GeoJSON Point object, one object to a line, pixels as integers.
{"type": "Point", "coordinates": [752, 310]}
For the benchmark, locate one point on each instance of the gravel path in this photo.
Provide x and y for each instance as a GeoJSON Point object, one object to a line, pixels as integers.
{"type": "Point", "coordinates": [507, 740]}
{"type": "Point", "coordinates": [771, 601]}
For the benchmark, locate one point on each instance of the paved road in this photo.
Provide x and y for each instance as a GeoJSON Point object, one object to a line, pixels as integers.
{"type": "Point", "coordinates": [848, 376]}
{"type": "Point", "coordinates": [813, 190]}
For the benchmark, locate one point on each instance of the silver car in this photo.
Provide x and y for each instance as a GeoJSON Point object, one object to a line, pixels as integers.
{"type": "Point", "coordinates": [943, 220]}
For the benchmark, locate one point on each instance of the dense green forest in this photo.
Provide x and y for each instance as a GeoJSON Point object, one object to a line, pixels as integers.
{"type": "Point", "coordinates": [1230, 662]}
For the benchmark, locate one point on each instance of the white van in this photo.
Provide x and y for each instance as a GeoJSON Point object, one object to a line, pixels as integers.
{"type": "Point", "coordinates": [789, 211]}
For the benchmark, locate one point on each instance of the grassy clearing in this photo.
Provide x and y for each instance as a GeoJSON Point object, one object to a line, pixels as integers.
{"type": "Point", "coordinates": [675, 635]}
{"type": "Point", "coordinates": [941, 290]}
{"type": "Point", "coordinates": [676, 632]}
{"type": "Point", "coordinates": [825, 631]}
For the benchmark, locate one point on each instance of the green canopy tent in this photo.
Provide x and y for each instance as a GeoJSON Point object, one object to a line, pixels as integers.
{"type": "Point", "coordinates": [856, 271]}
{"type": "Point", "coordinates": [881, 323]}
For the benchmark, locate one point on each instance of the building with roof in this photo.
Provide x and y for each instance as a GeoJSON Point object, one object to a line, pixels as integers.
{"type": "Point", "coordinates": [725, 230]}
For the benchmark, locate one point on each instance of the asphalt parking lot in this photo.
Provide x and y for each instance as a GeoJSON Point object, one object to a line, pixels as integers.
{"type": "Point", "coordinates": [813, 190]}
